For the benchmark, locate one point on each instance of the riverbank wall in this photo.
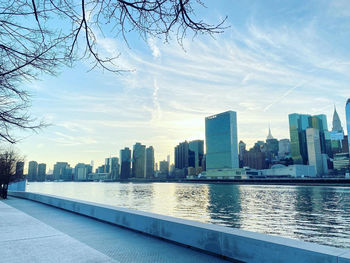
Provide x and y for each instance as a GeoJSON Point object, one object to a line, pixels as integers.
{"type": "Point", "coordinates": [234, 244]}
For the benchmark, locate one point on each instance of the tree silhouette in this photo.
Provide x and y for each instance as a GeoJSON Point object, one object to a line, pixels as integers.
{"type": "Point", "coordinates": [38, 36]}
{"type": "Point", "coordinates": [8, 160]}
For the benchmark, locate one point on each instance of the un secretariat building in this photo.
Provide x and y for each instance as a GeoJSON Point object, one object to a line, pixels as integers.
{"type": "Point", "coordinates": [221, 141]}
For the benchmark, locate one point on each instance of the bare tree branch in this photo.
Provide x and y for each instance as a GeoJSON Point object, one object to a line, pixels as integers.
{"type": "Point", "coordinates": [31, 44]}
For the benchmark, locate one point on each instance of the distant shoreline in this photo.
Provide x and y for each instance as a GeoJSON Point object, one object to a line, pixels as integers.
{"type": "Point", "coordinates": [340, 182]}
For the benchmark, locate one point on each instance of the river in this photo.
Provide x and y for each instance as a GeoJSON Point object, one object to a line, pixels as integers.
{"type": "Point", "coordinates": [319, 214]}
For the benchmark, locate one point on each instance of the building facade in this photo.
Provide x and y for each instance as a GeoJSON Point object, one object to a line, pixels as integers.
{"type": "Point", "coordinates": [139, 161]}
{"type": "Point", "coordinates": [298, 123]}
{"type": "Point", "coordinates": [314, 149]}
{"type": "Point", "coordinates": [221, 141]}
{"type": "Point", "coordinates": [112, 168]}
{"type": "Point", "coordinates": [19, 170]}
{"type": "Point", "coordinates": [149, 162]}
{"type": "Point", "coordinates": [42, 172]}
{"type": "Point", "coordinates": [125, 163]}
{"type": "Point", "coordinates": [32, 171]}
{"type": "Point", "coordinates": [163, 169]}
{"type": "Point", "coordinates": [283, 148]}
{"type": "Point", "coordinates": [196, 152]}
{"type": "Point", "coordinates": [81, 171]}
{"type": "Point", "coordinates": [181, 155]}
{"type": "Point", "coordinates": [62, 171]}
{"type": "Point", "coordinates": [347, 113]}
{"type": "Point", "coordinates": [255, 159]}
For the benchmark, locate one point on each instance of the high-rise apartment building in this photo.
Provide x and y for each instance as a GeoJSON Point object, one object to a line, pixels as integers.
{"type": "Point", "coordinates": [41, 172]}
{"type": "Point", "coordinates": [241, 151]}
{"type": "Point", "coordinates": [255, 158]}
{"type": "Point", "coordinates": [164, 168]}
{"type": "Point", "coordinates": [221, 141]}
{"type": "Point", "coordinates": [189, 154]}
{"type": "Point", "coordinates": [62, 171]}
{"type": "Point", "coordinates": [181, 155]}
{"type": "Point", "coordinates": [125, 162]}
{"type": "Point", "coordinates": [347, 112]}
{"type": "Point", "coordinates": [19, 169]}
{"type": "Point", "coordinates": [32, 171]}
{"type": "Point", "coordinates": [112, 168]}
{"type": "Point", "coordinates": [149, 162]}
{"type": "Point", "coordinates": [115, 168]}
{"type": "Point", "coordinates": [139, 161]}
{"type": "Point", "coordinates": [81, 171]}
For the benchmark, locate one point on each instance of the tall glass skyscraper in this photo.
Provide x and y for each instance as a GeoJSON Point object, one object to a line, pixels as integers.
{"type": "Point", "coordinates": [221, 141]}
{"type": "Point", "coordinates": [298, 123]}
{"type": "Point", "coordinates": [347, 112]}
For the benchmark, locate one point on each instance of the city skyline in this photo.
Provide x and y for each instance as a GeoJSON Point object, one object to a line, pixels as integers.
{"type": "Point", "coordinates": [266, 65]}
{"type": "Point", "coordinates": [320, 121]}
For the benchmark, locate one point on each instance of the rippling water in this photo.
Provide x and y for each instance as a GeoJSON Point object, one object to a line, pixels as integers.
{"type": "Point", "coordinates": [310, 213]}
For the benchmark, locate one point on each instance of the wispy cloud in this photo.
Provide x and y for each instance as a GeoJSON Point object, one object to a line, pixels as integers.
{"type": "Point", "coordinates": [263, 72]}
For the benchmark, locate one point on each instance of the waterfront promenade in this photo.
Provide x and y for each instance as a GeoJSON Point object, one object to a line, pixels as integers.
{"type": "Point", "coordinates": [115, 234]}
{"type": "Point", "coordinates": [35, 232]}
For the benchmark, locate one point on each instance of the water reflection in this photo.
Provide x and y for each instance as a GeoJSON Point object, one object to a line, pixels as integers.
{"type": "Point", "coordinates": [225, 204]}
{"type": "Point", "coordinates": [315, 214]}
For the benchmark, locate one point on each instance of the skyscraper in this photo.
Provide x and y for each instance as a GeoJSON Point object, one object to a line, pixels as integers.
{"type": "Point", "coordinates": [139, 161]}
{"type": "Point", "coordinates": [164, 168]}
{"type": "Point", "coordinates": [149, 162]}
{"type": "Point", "coordinates": [314, 149]}
{"type": "Point", "coordinates": [125, 159]}
{"type": "Point", "coordinates": [271, 146]}
{"type": "Point", "coordinates": [32, 171]}
{"type": "Point", "coordinates": [62, 171]}
{"type": "Point", "coordinates": [336, 122]}
{"type": "Point", "coordinates": [347, 112]}
{"type": "Point", "coordinates": [221, 141]}
{"type": "Point", "coordinates": [181, 155]}
{"type": "Point", "coordinates": [283, 148]}
{"type": "Point", "coordinates": [298, 123]}
{"type": "Point", "coordinates": [81, 171]}
{"type": "Point", "coordinates": [337, 133]}
{"type": "Point", "coordinates": [41, 172]}
{"type": "Point", "coordinates": [241, 151]}
{"type": "Point", "coordinates": [269, 136]}
{"type": "Point", "coordinates": [112, 167]}
{"type": "Point", "coordinates": [19, 169]}
{"type": "Point", "coordinates": [196, 152]}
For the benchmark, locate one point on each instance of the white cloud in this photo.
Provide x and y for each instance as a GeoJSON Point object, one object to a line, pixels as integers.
{"type": "Point", "coordinates": [153, 46]}
{"type": "Point", "coordinates": [264, 74]}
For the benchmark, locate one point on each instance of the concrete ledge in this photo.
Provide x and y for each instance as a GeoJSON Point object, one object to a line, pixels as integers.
{"type": "Point", "coordinates": [232, 243]}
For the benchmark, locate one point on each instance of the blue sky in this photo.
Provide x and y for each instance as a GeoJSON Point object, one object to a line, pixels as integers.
{"type": "Point", "coordinates": [276, 58]}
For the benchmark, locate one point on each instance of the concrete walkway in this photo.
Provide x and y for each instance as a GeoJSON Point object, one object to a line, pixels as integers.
{"type": "Point", "coordinates": [25, 239]}
{"type": "Point", "coordinates": [34, 232]}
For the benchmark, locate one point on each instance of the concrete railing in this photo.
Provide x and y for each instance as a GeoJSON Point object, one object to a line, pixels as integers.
{"type": "Point", "coordinates": [231, 243]}
{"type": "Point", "coordinates": [18, 186]}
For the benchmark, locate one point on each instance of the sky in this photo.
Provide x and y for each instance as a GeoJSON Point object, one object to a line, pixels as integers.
{"type": "Point", "coordinates": [275, 58]}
